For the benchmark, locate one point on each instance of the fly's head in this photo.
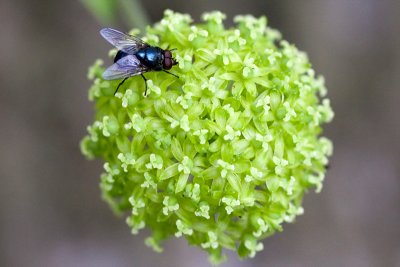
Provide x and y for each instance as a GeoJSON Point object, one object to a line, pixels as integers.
{"type": "Point", "coordinates": [169, 61]}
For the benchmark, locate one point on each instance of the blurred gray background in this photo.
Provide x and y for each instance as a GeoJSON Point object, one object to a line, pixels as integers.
{"type": "Point", "coordinates": [51, 213]}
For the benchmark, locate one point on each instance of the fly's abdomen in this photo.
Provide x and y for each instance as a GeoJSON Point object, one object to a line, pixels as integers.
{"type": "Point", "coordinates": [120, 54]}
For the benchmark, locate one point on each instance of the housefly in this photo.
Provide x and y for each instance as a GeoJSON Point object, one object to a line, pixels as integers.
{"type": "Point", "coordinates": [135, 57]}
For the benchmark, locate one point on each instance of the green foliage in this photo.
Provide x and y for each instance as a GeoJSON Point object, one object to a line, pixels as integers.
{"type": "Point", "coordinates": [223, 155]}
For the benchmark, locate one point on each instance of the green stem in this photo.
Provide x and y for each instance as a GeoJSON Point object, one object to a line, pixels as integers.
{"type": "Point", "coordinates": [134, 13]}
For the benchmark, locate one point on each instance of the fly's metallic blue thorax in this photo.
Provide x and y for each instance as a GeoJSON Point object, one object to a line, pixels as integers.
{"type": "Point", "coordinates": [151, 57]}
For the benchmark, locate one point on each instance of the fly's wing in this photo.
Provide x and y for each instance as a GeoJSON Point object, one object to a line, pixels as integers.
{"type": "Point", "coordinates": [127, 43]}
{"type": "Point", "coordinates": [125, 67]}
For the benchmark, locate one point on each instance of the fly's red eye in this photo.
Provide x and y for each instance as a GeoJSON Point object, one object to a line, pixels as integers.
{"type": "Point", "coordinates": [167, 54]}
{"type": "Point", "coordinates": [167, 64]}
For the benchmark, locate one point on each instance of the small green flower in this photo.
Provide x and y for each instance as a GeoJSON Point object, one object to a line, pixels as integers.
{"type": "Point", "coordinates": [211, 241]}
{"type": "Point", "coordinates": [253, 246]}
{"type": "Point", "coordinates": [182, 229]}
{"type": "Point", "coordinates": [203, 210]}
{"type": "Point", "coordinates": [170, 205]}
{"type": "Point", "coordinates": [223, 155]}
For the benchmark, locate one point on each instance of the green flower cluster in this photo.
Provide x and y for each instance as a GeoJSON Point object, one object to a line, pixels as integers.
{"type": "Point", "coordinates": [223, 155]}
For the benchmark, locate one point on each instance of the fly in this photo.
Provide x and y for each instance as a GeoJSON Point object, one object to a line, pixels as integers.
{"type": "Point", "coordinates": [135, 57]}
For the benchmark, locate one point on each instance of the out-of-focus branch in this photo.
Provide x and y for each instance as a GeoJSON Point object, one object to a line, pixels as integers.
{"type": "Point", "coordinates": [134, 13]}
{"type": "Point", "coordinates": [107, 11]}
{"type": "Point", "coordinates": [103, 10]}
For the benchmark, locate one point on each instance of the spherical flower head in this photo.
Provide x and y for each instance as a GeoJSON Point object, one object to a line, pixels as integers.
{"type": "Point", "coordinates": [221, 155]}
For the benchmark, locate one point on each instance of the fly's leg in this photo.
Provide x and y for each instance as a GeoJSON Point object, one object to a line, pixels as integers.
{"type": "Point", "coordinates": [120, 85]}
{"type": "Point", "coordinates": [171, 73]}
{"type": "Point", "coordinates": [145, 83]}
